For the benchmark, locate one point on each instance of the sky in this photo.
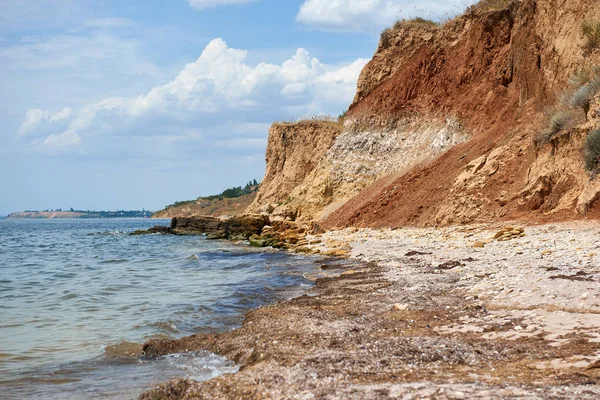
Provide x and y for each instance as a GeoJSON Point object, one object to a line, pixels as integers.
{"type": "Point", "coordinates": [131, 104]}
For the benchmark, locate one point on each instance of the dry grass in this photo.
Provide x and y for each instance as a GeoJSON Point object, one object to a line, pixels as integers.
{"type": "Point", "coordinates": [491, 5]}
{"type": "Point", "coordinates": [386, 37]}
{"type": "Point", "coordinates": [388, 33]}
{"type": "Point", "coordinates": [312, 118]}
{"type": "Point", "coordinates": [590, 29]}
{"type": "Point", "coordinates": [592, 151]}
{"type": "Point", "coordinates": [558, 121]}
{"type": "Point", "coordinates": [419, 20]}
{"type": "Point", "coordinates": [584, 86]}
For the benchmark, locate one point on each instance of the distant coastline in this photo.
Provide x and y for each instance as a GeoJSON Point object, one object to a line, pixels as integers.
{"type": "Point", "coordinates": [52, 214]}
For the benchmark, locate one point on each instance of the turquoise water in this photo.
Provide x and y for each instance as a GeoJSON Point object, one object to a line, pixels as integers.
{"type": "Point", "coordinates": [79, 297]}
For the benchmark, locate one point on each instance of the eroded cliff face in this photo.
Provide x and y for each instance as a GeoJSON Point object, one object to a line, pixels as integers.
{"type": "Point", "coordinates": [443, 127]}
{"type": "Point", "coordinates": [315, 167]}
{"type": "Point", "coordinates": [293, 152]}
{"type": "Point", "coordinates": [501, 74]}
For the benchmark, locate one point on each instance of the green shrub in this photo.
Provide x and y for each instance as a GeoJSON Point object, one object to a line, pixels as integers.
{"type": "Point", "coordinates": [582, 97]}
{"type": "Point", "coordinates": [558, 122]}
{"type": "Point", "coordinates": [585, 85]}
{"type": "Point", "coordinates": [591, 31]}
{"type": "Point", "coordinates": [592, 151]}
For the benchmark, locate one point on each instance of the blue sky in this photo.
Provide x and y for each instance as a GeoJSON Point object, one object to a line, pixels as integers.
{"type": "Point", "coordinates": [130, 104]}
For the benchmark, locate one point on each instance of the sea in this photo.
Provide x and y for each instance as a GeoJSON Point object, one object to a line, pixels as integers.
{"type": "Point", "coordinates": [79, 297]}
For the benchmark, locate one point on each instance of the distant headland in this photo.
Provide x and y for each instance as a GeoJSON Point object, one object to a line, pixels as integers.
{"type": "Point", "coordinates": [71, 213]}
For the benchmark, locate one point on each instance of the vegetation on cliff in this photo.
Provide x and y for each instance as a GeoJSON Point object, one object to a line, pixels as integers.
{"type": "Point", "coordinates": [231, 201]}
{"type": "Point", "coordinates": [59, 213]}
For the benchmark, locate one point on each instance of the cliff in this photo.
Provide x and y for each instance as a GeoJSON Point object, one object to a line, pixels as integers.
{"type": "Point", "coordinates": [458, 123]}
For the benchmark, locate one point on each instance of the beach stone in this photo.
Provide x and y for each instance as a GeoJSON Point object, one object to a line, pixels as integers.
{"type": "Point", "coordinates": [479, 245]}
{"type": "Point", "coordinates": [303, 250]}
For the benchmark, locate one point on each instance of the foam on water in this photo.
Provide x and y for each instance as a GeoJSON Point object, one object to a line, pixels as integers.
{"type": "Point", "coordinates": [79, 297]}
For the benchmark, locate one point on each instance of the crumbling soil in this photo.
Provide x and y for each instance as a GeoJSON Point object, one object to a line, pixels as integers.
{"type": "Point", "coordinates": [498, 73]}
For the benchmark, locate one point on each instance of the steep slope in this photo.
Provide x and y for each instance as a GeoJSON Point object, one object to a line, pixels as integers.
{"type": "Point", "coordinates": [293, 152]}
{"type": "Point", "coordinates": [314, 167]}
{"type": "Point", "coordinates": [496, 72]}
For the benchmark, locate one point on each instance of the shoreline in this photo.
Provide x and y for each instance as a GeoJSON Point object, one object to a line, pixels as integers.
{"type": "Point", "coordinates": [423, 314]}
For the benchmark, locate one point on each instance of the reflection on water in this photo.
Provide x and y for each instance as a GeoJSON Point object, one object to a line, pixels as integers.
{"type": "Point", "coordinates": [78, 297]}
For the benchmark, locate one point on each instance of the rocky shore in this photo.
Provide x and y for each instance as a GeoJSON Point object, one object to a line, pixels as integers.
{"type": "Point", "coordinates": [445, 313]}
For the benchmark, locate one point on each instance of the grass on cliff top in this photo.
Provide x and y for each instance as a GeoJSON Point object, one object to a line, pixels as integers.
{"type": "Point", "coordinates": [313, 118]}
{"type": "Point", "coordinates": [387, 33]}
{"type": "Point", "coordinates": [490, 5]}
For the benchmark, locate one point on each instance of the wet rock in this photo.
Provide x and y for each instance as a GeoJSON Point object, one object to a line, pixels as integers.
{"type": "Point", "coordinates": [264, 240]}
{"type": "Point", "coordinates": [165, 230]}
{"type": "Point", "coordinates": [240, 227]}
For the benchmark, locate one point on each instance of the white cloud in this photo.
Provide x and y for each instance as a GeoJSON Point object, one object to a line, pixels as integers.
{"type": "Point", "coordinates": [35, 117]}
{"type": "Point", "coordinates": [219, 86]}
{"type": "Point", "coordinates": [59, 116]}
{"type": "Point", "coordinates": [203, 4]}
{"type": "Point", "coordinates": [56, 142]}
{"type": "Point", "coordinates": [372, 15]}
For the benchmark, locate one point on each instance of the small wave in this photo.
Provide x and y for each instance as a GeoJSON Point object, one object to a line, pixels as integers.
{"type": "Point", "coordinates": [124, 351]}
{"type": "Point", "coordinates": [202, 365]}
{"type": "Point", "coordinates": [115, 261]}
{"type": "Point", "coordinates": [69, 296]}
{"type": "Point", "coordinates": [107, 233]}
{"type": "Point", "coordinates": [166, 326]}
{"type": "Point", "coordinates": [65, 275]}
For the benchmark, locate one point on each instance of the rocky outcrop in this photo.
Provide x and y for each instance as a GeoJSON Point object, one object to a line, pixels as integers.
{"type": "Point", "coordinates": [239, 227]}
{"type": "Point", "coordinates": [235, 228]}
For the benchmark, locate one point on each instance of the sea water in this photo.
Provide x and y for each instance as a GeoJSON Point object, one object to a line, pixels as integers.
{"type": "Point", "coordinates": [79, 297]}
